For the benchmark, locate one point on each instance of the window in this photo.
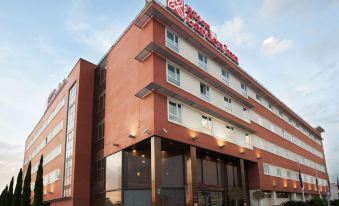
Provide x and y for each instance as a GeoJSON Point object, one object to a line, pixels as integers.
{"type": "Point", "coordinates": [113, 171]}
{"type": "Point", "coordinates": [229, 131]}
{"type": "Point", "coordinates": [173, 75]}
{"type": "Point", "coordinates": [266, 169]}
{"type": "Point", "coordinates": [101, 103]}
{"type": "Point", "coordinates": [245, 114]}
{"type": "Point", "coordinates": [224, 76]}
{"type": "Point", "coordinates": [248, 139]}
{"type": "Point", "coordinates": [281, 113]}
{"type": "Point", "coordinates": [100, 131]}
{"type": "Point", "coordinates": [243, 89]}
{"type": "Point", "coordinates": [290, 120]}
{"type": "Point", "coordinates": [261, 121]}
{"type": "Point", "coordinates": [270, 106]}
{"type": "Point", "coordinates": [228, 104]}
{"type": "Point", "coordinates": [206, 124]}
{"type": "Point", "coordinates": [205, 91]}
{"type": "Point", "coordinates": [278, 172]}
{"type": "Point", "coordinates": [289, 175]}
{"type": "Point", "coordinates": [174, 112]}
{"type": "Point", "coordinates": [202, 61]}
{"type": "Point", "coordinates": [258, 97]}
{"type": "Point", "coordinates": [172, 41]}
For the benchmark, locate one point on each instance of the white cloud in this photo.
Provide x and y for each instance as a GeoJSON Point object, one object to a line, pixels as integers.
{"type": "Point", "coordinates": [233, 31]}
{"type": "Point", "coordinates": [272, 46]}
{"type": "Point", "coordinates": [100, 40]}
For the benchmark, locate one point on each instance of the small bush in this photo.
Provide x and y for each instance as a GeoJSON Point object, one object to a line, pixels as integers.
{"type": "Point", "coordinates": [316, 201]}
{"type": "Point", "coordinates": [335, 203]}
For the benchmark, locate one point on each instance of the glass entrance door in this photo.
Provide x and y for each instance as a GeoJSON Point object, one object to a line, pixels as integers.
{"type": "Point", "coordinates": [211, 198]}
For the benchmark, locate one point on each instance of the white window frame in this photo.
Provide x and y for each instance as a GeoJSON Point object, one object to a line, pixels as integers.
{"type": "Point", "coordinates": [208, 128]}
{"type": "Point", "coordinates": [202, 63]}
{"type": "Point", "coordinates": [172, 44]}
{"type": "Point", "coordinates": [230, 131]}
{"type": "Point", "coordinates": [228, 104]}
{"type": "Point", "coordinates": [225, 78]}
{"type": "Point", "coordinates": [176, 118]}
{"type": "Point", "coordinates": [243, 89]}
{"type": "Point", "coordinates": [266, 169]}
{"type": "Point", "coordinates": [246, 114]}
{"type": "Point", "coordinates": [248, 139]}
{"type": "Point", "coordinates": [176, 81]}
{"type": "Point", "coordinates": [207, 95]}
{"type": "Point", "coordinates": [258, 97]}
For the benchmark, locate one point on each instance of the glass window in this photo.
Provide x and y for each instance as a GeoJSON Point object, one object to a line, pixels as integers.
{"type": "Point", "coordinates": [205, 91]}
{"type": "Point", "coordinates": [199, 171]}
{"type": "Point", "coordinates": [248, 139]}
{"type": "Point", "coordinates": [137, 197]}
{"type": "Point", "coordinates": [258, 97]}
{"type": "Point", "coordinates": [206, 124]}
{"type": "Point", "coordinates": [245, 113]}
{"type": "Point", "coordinates": [113, 171]}
{"type": "Point", "coordinates": [278, 172]}
{"type": "Point", "coordinates": [172, 167]}
{"type": "Point", "coordinates": [281, 113]}
{"type": "Point", "coordinates": [225, 76]}
{"type": "Point", "coordinates": [232, 175]}
{"type": "Point", "coordinates": [270, 106]}
{"type": "Point", "coordinates": [138, 169]}
{"type": "Point", "coordinates": [243, 89]}
{"type": "Point", "coordinates": [173, 197]}
{"type": "Point", "coordinates": [173, 75]}
{"type": "Point", "coordinates": [266, 169]}
{"type": "Point", "coordinates": [202, 61]}
{"type": "Point", "coordinates": [174, 112]}
{"type": "Point", "coordinates": [113, 198]}
{"type": "Point", "coordinates": [228, 104]}
{"type": "Point", "coordinates": [210, 174]}
{"type": "Point", "coordinates": [229, 131]}
{"type": "Point", "coordinates": [172, 41]}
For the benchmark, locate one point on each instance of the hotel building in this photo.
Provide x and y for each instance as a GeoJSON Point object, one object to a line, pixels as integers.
{"type": "Point", "coordinates": [169, 118]}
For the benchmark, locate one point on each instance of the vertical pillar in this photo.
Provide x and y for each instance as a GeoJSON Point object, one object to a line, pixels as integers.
{"type": "Point", "coordinates": [274, 198]}
{"type": "Point", "coordinates": [191, 165]}
{"type": "Point", "coordinates": [243, 181]}
{"type": "Point", "coordinates": [156, 170]}
{"type": "Point", "coordinates": [294, 196]}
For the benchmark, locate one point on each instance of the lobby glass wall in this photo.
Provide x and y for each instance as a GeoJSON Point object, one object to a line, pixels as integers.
{"type": "Point", "coordinates": [172, 177]}
{"type": "Point", "coordinates": [128, 177]}
{"type": "Point", "coordinates": [218, 179]}
{"type": "Point", "coordinates": [137, 177]}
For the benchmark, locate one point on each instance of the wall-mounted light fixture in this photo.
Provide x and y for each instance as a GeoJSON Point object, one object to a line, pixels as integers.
{"type": "Point", "coordinates": [116, 145]}
{"type": "Point", "coordinates": [146, 131]}
{"type": "Point", "coordinates": [242, 150]}
{"type": "Point", "coordinates": [131, 136]}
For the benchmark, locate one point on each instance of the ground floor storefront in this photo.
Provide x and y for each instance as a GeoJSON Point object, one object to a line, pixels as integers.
{"type": "Point", "coordinates": [162, 172]}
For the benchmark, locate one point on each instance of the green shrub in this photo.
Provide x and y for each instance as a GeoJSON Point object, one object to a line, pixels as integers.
{"type": "Point", "coordinates": [335, 203]}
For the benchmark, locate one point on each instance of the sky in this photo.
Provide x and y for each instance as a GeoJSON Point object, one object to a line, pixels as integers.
{"type": "Point", "coordinates": [291, 47]}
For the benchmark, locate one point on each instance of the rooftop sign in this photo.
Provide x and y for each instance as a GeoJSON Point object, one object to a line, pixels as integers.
{"type": "Point", "coordinates": [193, 20]}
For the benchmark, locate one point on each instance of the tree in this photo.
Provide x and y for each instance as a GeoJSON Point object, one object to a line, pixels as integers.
{"type": "Point", "coordinates": [38, 187]}
{"type": "Point", "coordinates": [17, 191]}
{"type": "Point", "coordinates": [3, 196]}
{"type": "Point", "coordinates": [235, 194]}
{"type": "Point", "coordinates": [10, 193]}
{"type": "Point", "coordinates": [258, 195]}
{"type": "Point", "coordinates": [26, 191]}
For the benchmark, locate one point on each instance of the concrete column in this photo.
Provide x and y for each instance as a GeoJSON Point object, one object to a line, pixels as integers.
{"type": "Point", "coordinates": [243, 182]}
{"type": "Point", "coordinates": [191, 173]}
{"type": "Point", "coordinates": [294, 196]}
{"type": "Point", "coordinates": [156, 170]}
{"type": "Point", "coordinates": [274, 198]}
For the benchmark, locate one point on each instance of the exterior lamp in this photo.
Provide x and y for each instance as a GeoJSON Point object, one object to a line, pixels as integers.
{"type": "Point", "coordinates": [131, 136]}
{"type": "Point", "coordinates": [116, 145]}
{"type": "Point", "coordinates": [242, 150]}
